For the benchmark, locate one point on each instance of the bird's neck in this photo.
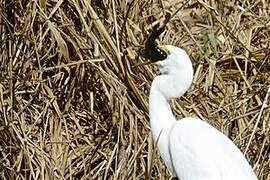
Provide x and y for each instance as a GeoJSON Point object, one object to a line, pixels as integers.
{"type": "Point", "coordinates": [164, 88]}
{"type": "Point", "coordinates": [161, 116]}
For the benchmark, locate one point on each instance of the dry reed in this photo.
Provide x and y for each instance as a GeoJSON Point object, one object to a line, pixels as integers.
{"type": "Point", "coordinates": [73, 105]}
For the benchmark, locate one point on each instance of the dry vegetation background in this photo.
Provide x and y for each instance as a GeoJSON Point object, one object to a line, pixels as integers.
{"type": "Point", "coordinates": [73, 105]}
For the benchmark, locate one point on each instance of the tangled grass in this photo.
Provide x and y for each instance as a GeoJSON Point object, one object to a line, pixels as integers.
{"type": "Point", "coordinates": [73, 102]}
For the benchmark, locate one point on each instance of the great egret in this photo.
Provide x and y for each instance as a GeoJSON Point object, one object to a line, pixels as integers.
{"type": "Point", "coordinates": [191, 148]}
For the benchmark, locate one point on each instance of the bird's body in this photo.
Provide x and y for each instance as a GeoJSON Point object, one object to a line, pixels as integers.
{"type": "Point", "coordinates": [201, 152]}
{"type": "Point", "coordinates": [191, 148]}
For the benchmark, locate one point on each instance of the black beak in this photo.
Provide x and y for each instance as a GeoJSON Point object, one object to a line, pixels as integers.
{"type": "Point", "coordinates": [151, 50]}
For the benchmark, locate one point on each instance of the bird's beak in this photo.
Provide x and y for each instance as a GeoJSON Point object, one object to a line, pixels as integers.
{"type": "Point", "coordinates": [165, 49]}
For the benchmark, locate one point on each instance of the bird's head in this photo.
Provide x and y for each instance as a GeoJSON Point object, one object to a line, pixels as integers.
{"type": "Point", "coordinates": [175, 67]}
{"type": "Point", "coordinates": [169, 58]}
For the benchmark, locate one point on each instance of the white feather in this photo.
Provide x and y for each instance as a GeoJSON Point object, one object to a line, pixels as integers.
{"type": "Point", "coordinates": [191, 148]}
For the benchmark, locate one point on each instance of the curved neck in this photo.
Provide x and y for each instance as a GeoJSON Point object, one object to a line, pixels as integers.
{"type": "Point", "coordinates": [164, 88]}
{"type": "Point", "coordinates": [161, 116]}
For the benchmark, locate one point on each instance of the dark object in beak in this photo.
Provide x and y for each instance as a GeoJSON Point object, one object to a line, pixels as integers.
{"type": "Point", "coordinates": [152, 51]}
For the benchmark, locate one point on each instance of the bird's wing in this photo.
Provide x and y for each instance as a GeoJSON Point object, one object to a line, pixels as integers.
{"type": "Point", "coordinates": [199, 151]}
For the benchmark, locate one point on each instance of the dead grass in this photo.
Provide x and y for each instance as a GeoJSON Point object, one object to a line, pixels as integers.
{"type": "Point", "coordinates": [73, 106]}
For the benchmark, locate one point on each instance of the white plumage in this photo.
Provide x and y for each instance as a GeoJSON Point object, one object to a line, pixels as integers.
{"type": "Point", "coordinates": [191, 148]}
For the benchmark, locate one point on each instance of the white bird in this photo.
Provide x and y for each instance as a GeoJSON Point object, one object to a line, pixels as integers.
{"type": "Point", "coordinates": [191, 148]}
